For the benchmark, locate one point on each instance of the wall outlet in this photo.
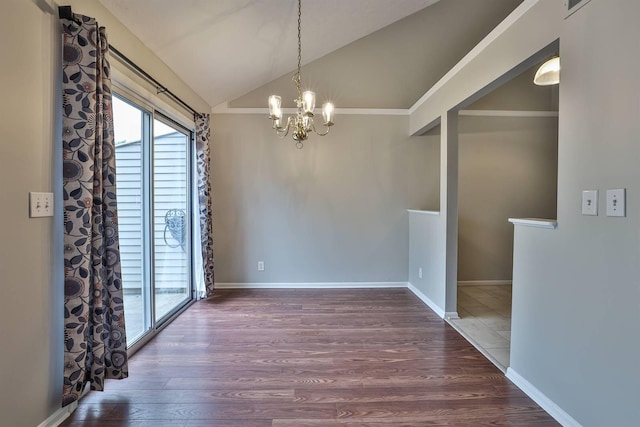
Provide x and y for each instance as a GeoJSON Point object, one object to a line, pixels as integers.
{"type": "Point", "coordinates": [260, 265]}
{"type": "Point", "coordinates": [40, 204]}
{"type": "Point", "coordinates": [420, 273]}
{"type": "Point", "coordinates": [590, 202]}
{"type": "Point", "coordinates": [616, 202]}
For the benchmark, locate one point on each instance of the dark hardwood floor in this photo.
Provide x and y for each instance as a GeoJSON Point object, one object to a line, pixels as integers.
{"type": "Point", "coordinates": [309, 358]}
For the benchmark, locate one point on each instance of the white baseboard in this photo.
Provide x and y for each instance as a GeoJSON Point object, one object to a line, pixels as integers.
{"type": "Point", "coordinates": [541, 399]}
{"type": "Point", "coordinates": [59, 416]}
{"type": "Point", "coordinates": [343, 285]}
{"type": "Point", "coordinates": [55, 419]}
{"type": "Point", "coordinates": [483, 282]}
{"type": "Point", "coordinates": [312, 285]}
{"type": "Point", "coordinates": [425, 299]}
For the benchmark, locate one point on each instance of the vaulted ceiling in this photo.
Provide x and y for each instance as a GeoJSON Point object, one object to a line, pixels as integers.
{"type": "Point", "coordinates": [360, 53]}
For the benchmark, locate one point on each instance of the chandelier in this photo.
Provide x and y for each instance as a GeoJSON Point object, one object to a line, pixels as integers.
{"type": "Point", "coordinates": [302, 124]}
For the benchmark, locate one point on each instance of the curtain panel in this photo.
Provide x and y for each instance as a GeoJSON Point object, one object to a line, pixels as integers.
{"type": "Point", "coordinates": [203, 153]}
{"type": "Point", "coordinates": [94, 325]}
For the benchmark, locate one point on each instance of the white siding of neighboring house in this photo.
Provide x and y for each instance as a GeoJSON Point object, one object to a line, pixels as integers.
{"type": "Point", "coordinates": [170, 192]}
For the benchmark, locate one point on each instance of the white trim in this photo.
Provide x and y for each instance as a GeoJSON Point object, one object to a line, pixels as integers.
{"type": "Point", "coordinates": [508, 113]}
{"type": "Point", "coordinates": [541, 399]}
{"type": "Point", "coordinates": [371, 111]}
{"type": "Point", "coordinates": [483, 282]}
{"type": "Point", "coordinates": [451, 315]}
{"type": "Point", "coordinates": [535, 222]}
{"type": "Point", "coordinates": [415, 211]}
{"type": "Point", "coordinates": [62, 414]}
{"type": "Point", "coordinates": [225, 109]}
{"type": "Point", "coordinates": [59, 416]}
{"type": "Point", "coordinates": [311, 285]}
{"type": "Point", "coordinates": [473, 53]}
{"type": "Point", "coordinates": [425, 299]}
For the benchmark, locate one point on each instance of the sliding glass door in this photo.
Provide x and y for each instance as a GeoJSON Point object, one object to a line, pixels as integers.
{"type": "Point", "coordinates": [171, 217]}
{"type": "Point", "coordinates": [154, 208]}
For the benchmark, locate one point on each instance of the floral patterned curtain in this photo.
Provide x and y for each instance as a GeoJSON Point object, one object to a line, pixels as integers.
{"type": "Point", "coordinates": [95, 343]}
{"type": "Point", "coordinates": [203, 153]}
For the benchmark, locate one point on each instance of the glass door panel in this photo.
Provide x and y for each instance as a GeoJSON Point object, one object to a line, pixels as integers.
{"type": "Point", "coordinates": [130, 125]}
{"type": "Point", "coordinates": [152, 183]}
{"type": "Point", "coordinates": [171, 217]}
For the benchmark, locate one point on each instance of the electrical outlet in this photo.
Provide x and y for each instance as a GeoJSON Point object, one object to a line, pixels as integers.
{"type": "Point", "coordinates": [260, 265]}
{"type": "Point", "coordinates": [420, 273]}
{"type": "Point", "coordinates": [40, 204]}
{"type": "Point", "coordinates": [616, 202]}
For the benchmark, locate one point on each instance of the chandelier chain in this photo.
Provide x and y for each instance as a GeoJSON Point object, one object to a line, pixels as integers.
{"type": "Point", "coordinates": [298, 76]}
{"type": "Point", "coordinates": [302, 123]}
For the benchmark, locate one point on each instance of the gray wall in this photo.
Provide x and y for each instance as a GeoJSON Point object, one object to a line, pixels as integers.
{"type": "Point", "coordinates": [30, 267]}
{"type": "Point", "coordinates": [334, 211]}
{"type": "Point", "coordinates": [425, 238]}
{"type": "Point", "coordinates": [31, 306]}
{"type": "Point", "coordinates": [508, 168]}
{"type": "Point", "coordinates": [401, 61]}
{"type": "Point", "coordinates": [576, 296]}
{"type": "Point", "coordinates": [576, 293]}
{"type": "Point", "coordinates": [520, 94]}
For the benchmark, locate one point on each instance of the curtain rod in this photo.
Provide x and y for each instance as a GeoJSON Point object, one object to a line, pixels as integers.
{"type": "Point", "coordinates": [66, 13]}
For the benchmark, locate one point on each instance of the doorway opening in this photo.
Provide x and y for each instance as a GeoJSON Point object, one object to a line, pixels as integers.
{"type": "Point", "coordinates": [507, 168]}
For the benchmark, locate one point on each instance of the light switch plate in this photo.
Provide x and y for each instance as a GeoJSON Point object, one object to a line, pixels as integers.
{"type": "Point", "coordinates": [590, 202]}
{"type": "Point", "coordinates": [616, 202]}
{"type": "Point", "coordinates": [40, 204]}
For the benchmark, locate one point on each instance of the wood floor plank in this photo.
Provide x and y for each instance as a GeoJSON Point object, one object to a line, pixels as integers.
{"type": "Point", "coordinates": [231, 411]}
{"type": "Point", "coordinates": [309, 358]}
{"type": "Point", "coordinates": [262, 382]}
{"type": "Point", "coordinates": [212, 395]}
{"type": "Point", "coordinates": [393, 394]}
{"type": "Point", "coordinates": [452, 411]}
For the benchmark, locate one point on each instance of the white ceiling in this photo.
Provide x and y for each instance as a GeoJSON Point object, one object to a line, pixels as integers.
{"type": "Point", "coordinates": [225, 48]}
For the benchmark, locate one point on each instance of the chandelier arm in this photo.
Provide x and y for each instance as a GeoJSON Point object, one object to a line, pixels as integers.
{"type": "Point", "coordinates": [284, 131]}
{"type": "Point", "coordinates": [313, 126]}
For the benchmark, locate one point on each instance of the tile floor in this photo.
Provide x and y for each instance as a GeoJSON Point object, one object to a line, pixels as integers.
{"type": "Point", "coordinates": [485, 320]}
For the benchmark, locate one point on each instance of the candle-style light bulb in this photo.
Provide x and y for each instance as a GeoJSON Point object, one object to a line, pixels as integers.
{"type": "Point", "coordinates": [275, 111]}
{"type": "Point", "coordinates": [328, 113]}
{"type": "Point", "coordinates": [308, 102]}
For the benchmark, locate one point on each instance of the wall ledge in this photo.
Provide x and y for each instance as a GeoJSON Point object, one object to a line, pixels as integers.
{"type": "Point", "coordinates": [535, 222]}
{"type": "Point", "coordinates": [419, 212]}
